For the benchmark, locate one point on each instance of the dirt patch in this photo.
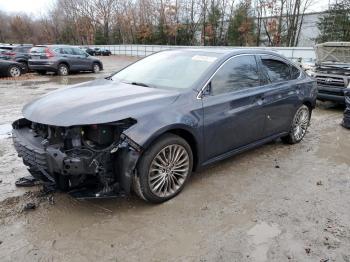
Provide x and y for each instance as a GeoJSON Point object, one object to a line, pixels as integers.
{"type": "Point", "coordinates": [20, 78]}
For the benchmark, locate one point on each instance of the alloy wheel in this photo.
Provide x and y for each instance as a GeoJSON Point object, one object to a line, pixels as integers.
{"type": "Point", "coordinates": [301, 122]}
{"type": "Point", "coordinates": [96, 68]}
{"type": "Point", "coordinates": [15, 71]}
{"type": "Point", "coordinates": [63, 70]}
{"type": "Point", "coordinates": [169, 170]}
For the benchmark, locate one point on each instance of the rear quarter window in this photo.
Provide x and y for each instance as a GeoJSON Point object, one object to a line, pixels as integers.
{"type": "Point", "coordinates": [276, 70]}
{"type": "Point", "coordinates": [294, 72]}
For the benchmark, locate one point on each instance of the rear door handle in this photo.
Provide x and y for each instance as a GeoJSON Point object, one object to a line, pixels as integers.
{"type": "Point", "coordinates": [259, 99]}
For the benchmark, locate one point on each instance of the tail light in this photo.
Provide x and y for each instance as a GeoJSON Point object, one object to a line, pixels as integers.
{"type": "Point", "coordinates": [10, 53]}
{"type": "Point", "coordinates": [49, 53]}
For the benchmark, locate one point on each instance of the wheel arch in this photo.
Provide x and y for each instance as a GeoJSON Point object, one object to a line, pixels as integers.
{"type": "Point", "coordinates": [99, 63]}
{"type": "Point", "coordinates": [22, 61]}
{"type": "Point", "coordinates": [310, 105]}
{"type": "Point", "coordinates": [63, 63]}
{"type": "Point", "coordinates": [182, 131]}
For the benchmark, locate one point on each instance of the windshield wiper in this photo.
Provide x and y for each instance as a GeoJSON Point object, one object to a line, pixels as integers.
{"type": "Point", "coordinates": [139, 84]}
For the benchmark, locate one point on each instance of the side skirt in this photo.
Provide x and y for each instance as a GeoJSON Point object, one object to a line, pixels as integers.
{"type": "Point", "coordinates": [243, 149]}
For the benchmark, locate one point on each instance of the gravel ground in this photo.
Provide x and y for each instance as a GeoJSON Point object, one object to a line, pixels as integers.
{"type": "Point", "coordinates": [274, 203]}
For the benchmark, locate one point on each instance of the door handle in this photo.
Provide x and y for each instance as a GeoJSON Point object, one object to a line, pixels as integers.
{"type": "Point", "coordinates": [259, 99]}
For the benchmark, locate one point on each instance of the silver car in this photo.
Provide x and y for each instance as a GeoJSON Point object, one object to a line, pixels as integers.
{"type": "Point", "coordinates": [62, 59]}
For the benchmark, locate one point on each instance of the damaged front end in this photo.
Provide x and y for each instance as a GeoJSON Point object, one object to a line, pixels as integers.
{"type": "Point", "coordinates": [89, 161]}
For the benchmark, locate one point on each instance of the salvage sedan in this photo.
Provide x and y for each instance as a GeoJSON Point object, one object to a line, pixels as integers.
{"type": "Point", "coordinates": [149, 126]}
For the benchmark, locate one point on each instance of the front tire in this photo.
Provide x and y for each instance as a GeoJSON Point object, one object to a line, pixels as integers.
{"type": "Point", "coordinates": [300, 123]}
{"type": "Point", "coordinates": [96, 68]}
{"type": "Point", "coordinates": [14, 71]}
{"type": "Point", "coordinates": [164, 169]}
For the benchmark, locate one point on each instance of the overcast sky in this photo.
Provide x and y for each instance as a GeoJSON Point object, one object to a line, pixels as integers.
{"type": "Point", "coordinates": [31, 7]}
{"type": "Point", "coordinates": [37, 7]}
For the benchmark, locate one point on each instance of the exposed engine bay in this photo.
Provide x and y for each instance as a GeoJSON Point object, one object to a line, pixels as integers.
{"type": "Point", "coordinates": [88, 160]}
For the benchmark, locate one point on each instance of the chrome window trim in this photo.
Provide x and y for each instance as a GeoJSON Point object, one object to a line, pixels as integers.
{"type": "Point", "coordinates": [284, 60]}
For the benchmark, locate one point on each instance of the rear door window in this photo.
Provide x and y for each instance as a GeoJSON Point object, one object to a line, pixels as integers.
{"type": "Point", "coordinates": [78, 51]}
{"type": "Point", "coordinates": [275, 69]}
{"type": "Point", "coordinates": [67, 51]}
{"type": "Point", "coordinates": [236, 74]}
{"type": "Point", "coordinates": [22, 49]}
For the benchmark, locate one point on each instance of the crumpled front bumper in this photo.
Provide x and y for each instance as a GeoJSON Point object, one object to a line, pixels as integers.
{"type": "Point", "coordinates": [48, 162]}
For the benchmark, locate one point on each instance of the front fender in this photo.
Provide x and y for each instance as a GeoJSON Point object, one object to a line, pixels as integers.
{"type": "Point", "coordinates": [149, 127]}
{"type": "Point", "coordinates": [144, 136]}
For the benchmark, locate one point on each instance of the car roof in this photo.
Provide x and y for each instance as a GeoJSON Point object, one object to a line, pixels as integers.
{"type": "Point", "coordinates": [11, 46]}
{"type": "Point", "coordinates": [227, 51]}
{"type": "Point", "coordinates": [71, 46]}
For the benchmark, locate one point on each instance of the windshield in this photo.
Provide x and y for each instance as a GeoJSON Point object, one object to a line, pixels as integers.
{"type": "Point", "coordinates": [169, 69]}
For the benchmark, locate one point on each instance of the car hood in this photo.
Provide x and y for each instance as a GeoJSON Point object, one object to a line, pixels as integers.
{"type": "Point", "coordinates": [96, 102]}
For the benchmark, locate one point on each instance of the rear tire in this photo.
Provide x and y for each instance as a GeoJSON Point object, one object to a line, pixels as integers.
{"type": "Point", "coordinates": [62, 70]}
{"type": "Point", "coordinates": [25, 67]}
{"type": "Point", "coordinates": [96, 68]}
{"type": "Point", "coordinates": [14, 71]}
{"type": "Point", "coordinates": [163, 169]}
{"type": "Point", "coordinates": [300, 123]}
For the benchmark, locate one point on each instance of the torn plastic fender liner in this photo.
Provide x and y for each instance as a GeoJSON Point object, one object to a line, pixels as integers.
{"type": "Point", "coordinates": [128, 155]}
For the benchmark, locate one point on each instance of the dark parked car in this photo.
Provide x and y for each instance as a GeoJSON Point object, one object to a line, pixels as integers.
{"type": "Point", "coordinates": [150, 125]}
{"type": "Point", "coordinates": [105, 52]}
{"type": "Point", "coordinates": [11, 68]}
{"type": "Point", "coordinates": [17, 53]}
{"type": "Point", "coordinates": [88, 50]}
{"type": "Point", "coordinates": [102, 51]}
{"type": "Point", "coordinates": [62, 60]}
{"type": "Point", "coordinates": [97, 51]}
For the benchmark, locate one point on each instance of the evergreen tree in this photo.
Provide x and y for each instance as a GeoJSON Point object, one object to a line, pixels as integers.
{"type": "Point", "coordinates": [99, 37]}
{"type": "Point", "coordinates": [241, 27]}
{"type": "Point", "coordinates": [335, 25]}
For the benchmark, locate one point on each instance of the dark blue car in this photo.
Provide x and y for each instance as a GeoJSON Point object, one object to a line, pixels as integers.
{"type": "Point", "coordinates": [150, 125]}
